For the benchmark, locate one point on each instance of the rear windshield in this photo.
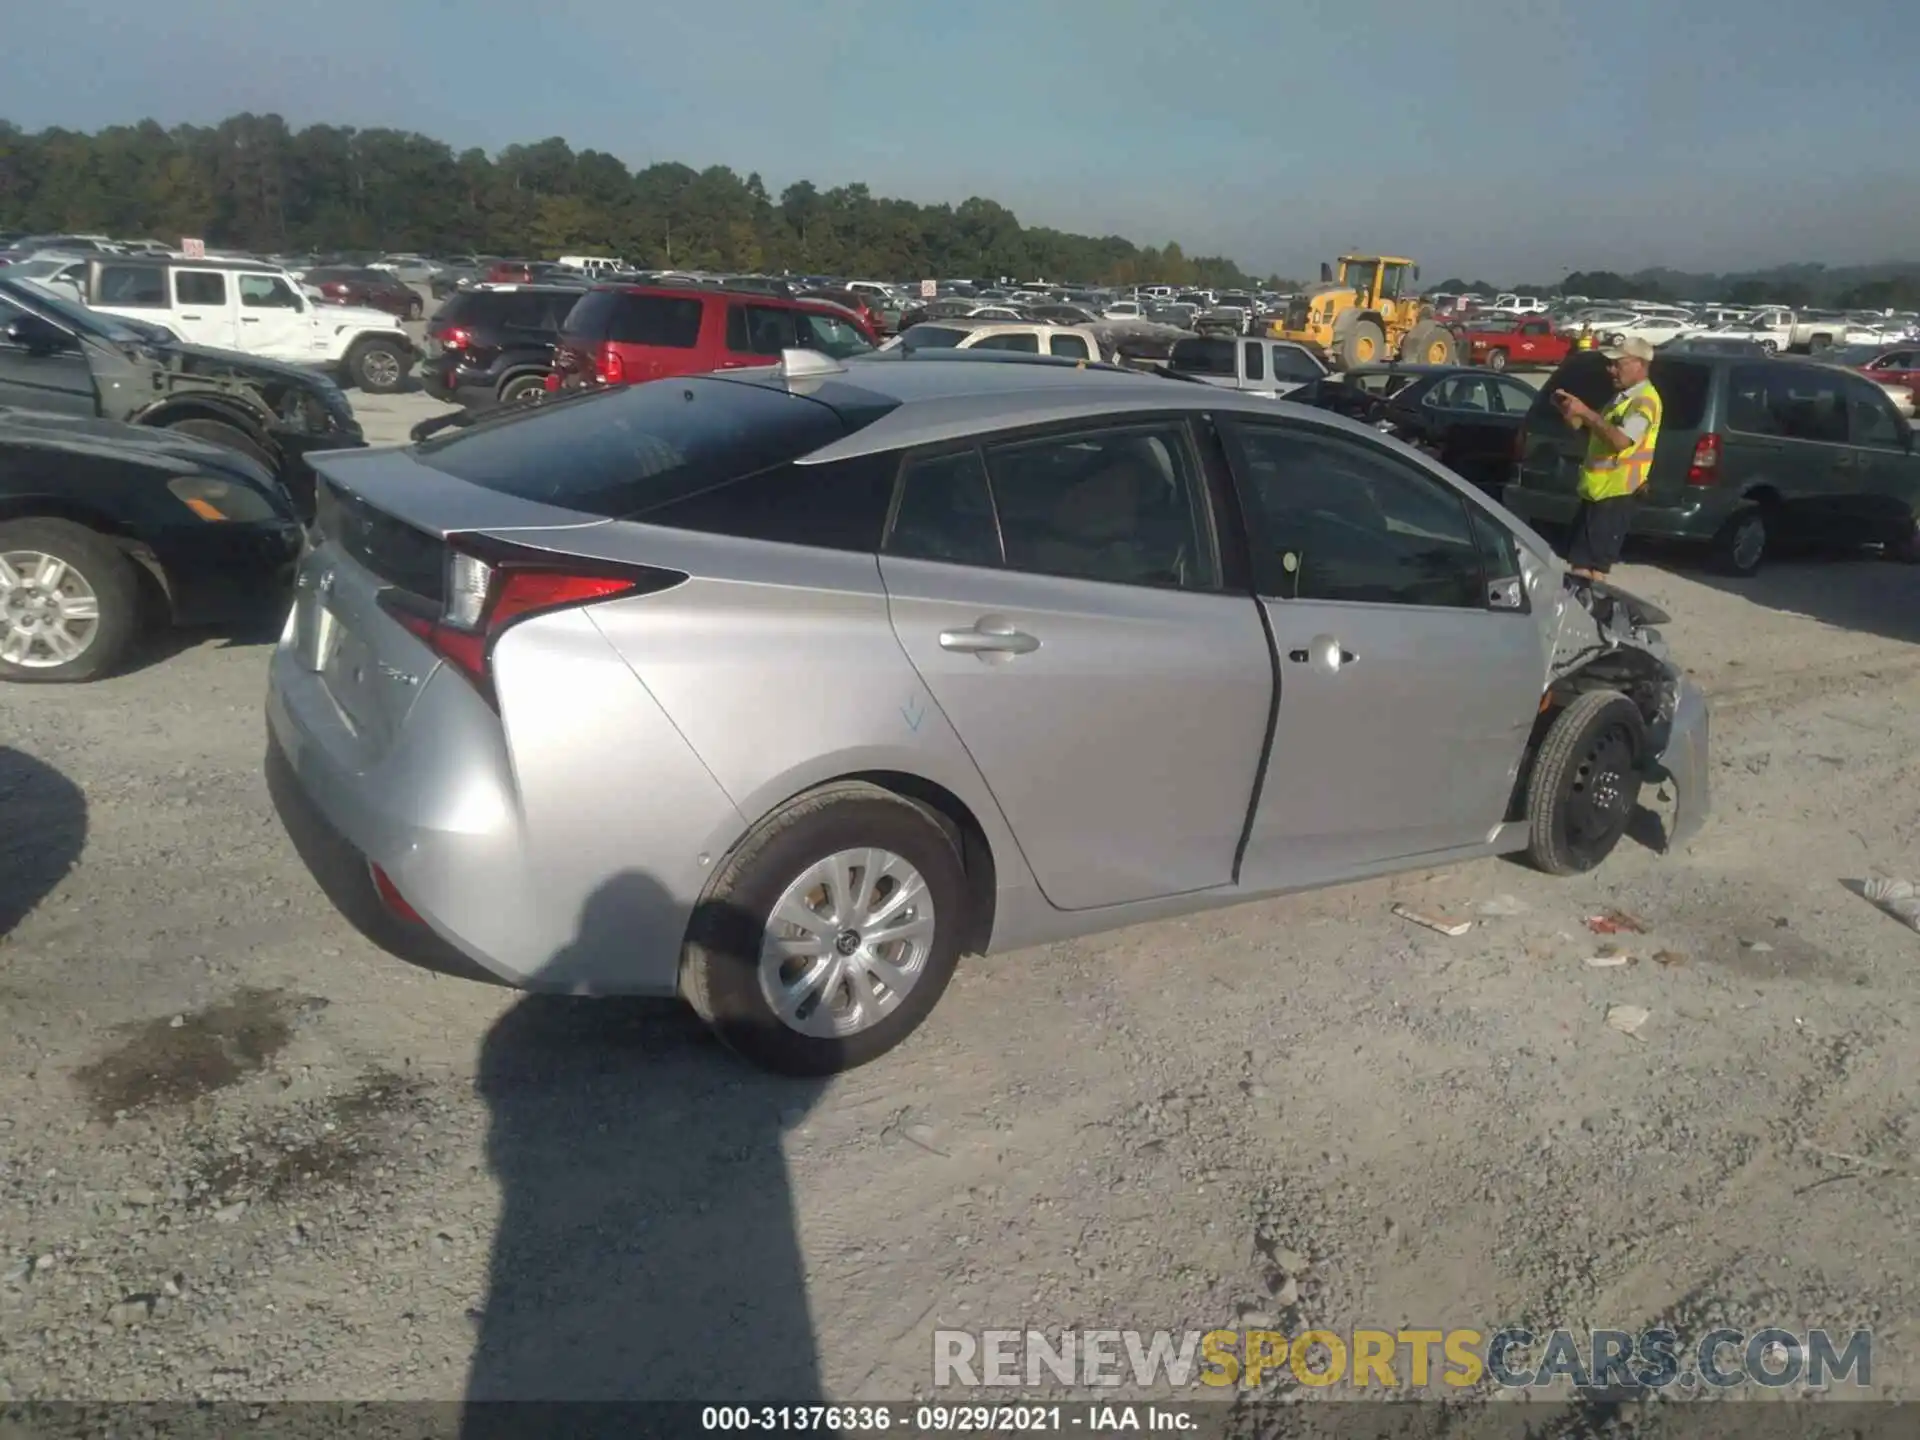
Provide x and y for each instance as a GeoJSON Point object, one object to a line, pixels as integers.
{"type": "Point", "coordinates": [1683, 387]}
{"type": "Point", "coordinates": [1204, 356]}
{"type": "Point", "coordinates": [626, 452]}
{"type": "Point", "coordinates": [600, 316]}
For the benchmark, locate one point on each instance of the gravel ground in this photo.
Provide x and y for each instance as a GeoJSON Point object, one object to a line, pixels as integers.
{"type": "Point", "coordinates": [244, 1155]}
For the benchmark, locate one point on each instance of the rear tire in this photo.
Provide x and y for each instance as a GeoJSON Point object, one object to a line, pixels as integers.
{"type": "Point", "coordinates": [231, 437]}
{"type": "Point", "coordinates": [1496, 360]}
{"type": "Point", "coordinates": [729, 964]}
{"type": "Point", "coordinates": [1741, 545]}
{"type": "Point", "coordinates": [522, 388]}
{"type": "Point", "coordinates": [1363, 344]}
{"type": "Point", "coordinates": [1585, 783]}
{"type": "Point", "coordinates": [32, 615]}
{"type": "Point", "coordinates": [379, 367]}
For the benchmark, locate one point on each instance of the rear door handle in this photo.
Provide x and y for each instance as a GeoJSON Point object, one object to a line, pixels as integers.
{"type": "Point", "coordinates": [1323, 651]}
{"type": "Point", "coordinates": [989, 637]}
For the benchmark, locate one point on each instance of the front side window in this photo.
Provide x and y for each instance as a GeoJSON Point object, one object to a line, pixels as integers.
{"type": "Point", "coordinates": [267, 292]}
{"type": "Point", "coordinates": [945, 512]}
{"type": "Point", "coordinates": [1338, 519]}
{"type": "Point", "coordinates": [1072, 347]}
{"type": "Point", "coordinates": [1123, 506]}
{"type": "Point", "coordinates": [1511, 399]}
{"type": "Point", "coordinates": [1294, 364]}
{"type": "Point", "coordinates": [830, 335]}
{"type": "Point", "coordinates": [129, 286]}
{"type": "Point", "coordinates": [1459, 392]}
{"type": "Point", "coordinates": [199, 287]}
{"type": "Point", "coordinates": [760, 330]}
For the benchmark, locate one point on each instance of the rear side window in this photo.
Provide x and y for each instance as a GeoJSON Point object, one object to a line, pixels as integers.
{"type": "Point", "coordinates": [761, 330]}
{"type": "Point", "coordinates": [633, 451]}
{"type": "Point", "coordinates": [1070, 346]}
{"type": "Point", "coordinates": [528, 310]}
{"type": "Point", "coordinates": [670, 321]}
{"type": "Point", "coordinates": [1788, 401]}
{"type": "Point", "coordinates": [1256, 360]}
{"type": "Point", "coordinates": [946, 512]}
{"type": "Point", "coordinates": [133, 285]}
{"type": "Point", "coordinates": [1209, 355]}
{"type": "Point", "coordinates": [1683, 393]}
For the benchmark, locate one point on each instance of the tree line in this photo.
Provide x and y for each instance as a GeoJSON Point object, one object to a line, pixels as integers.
{"type": "Point", "coordinates": [252, 183]}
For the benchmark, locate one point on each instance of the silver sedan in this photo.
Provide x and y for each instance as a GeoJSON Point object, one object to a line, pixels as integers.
{"type": "Point", "coordinates": [782, 689]}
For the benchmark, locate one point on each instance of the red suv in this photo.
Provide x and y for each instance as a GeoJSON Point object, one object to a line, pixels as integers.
{"type": "Point", "coordinates": [624, 334]}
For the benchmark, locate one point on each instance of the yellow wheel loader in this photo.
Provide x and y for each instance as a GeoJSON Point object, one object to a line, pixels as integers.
{"type": "Point", "coordinates": [1367, 316]}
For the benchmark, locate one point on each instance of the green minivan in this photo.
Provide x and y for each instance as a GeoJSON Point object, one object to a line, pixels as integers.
{"type": "Point", "coordinates": [1756, 455]}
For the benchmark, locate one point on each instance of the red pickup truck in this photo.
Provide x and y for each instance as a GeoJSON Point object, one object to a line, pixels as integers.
{"type": "Point", "coordinates": [1527, 340]}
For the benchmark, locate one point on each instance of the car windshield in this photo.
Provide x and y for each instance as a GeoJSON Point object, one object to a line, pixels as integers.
{"type": "Point", "coordinates": [1855, 354]}
{"type": "Point", "coordinates": [73, 317]}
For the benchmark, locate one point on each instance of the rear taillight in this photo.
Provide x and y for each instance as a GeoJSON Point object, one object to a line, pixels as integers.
{"type": "Point", "coordinates": [487, 595]}
{"type": "Point", "coordinates": [391, 897]}
{"type": "Point", "coordinates": [608, 366]}
{"type": "Point", "coordinates": [552, 381]}
{"type": "Point", "coordinates": [454, 337]}
{"type": "Point", "coordinates": [1705, 468]}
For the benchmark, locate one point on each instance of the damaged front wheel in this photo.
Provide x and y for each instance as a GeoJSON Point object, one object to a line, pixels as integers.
{"type": "Point", "coordinates": [1585, 782]}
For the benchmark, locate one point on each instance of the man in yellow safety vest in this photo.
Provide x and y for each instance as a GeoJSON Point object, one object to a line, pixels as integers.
{"type": "Point", "coordinates": [1620, 445]}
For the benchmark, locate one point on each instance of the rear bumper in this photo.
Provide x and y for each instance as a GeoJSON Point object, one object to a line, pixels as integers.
{"type": "Point", "coordinates": [572, 864]}
{"type": "Point", "coordinates": [1692, 520]}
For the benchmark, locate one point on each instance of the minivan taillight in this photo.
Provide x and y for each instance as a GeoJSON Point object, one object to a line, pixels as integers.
{"type": "Point", "coordinates": [608, 366]}
{"type": "Point", "coordinates": [486, 596]}
{"type": "Point", "coordinates": [1705, 468]}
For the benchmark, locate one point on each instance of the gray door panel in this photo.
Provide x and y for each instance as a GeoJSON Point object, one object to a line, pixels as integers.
{"type": "Point", "coordinates": [1409, 746]}
{"type": "Point", "coordinates": [1119, 727]}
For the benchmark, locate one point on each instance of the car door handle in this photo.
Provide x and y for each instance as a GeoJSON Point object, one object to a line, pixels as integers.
{"type": "Point", "coordinates": [249, 319]}
{"type": "Point", "coordinates": [989, 638]}
{"type": "Point", "coordinates": [1323, 651]}
{"type": "Point", "coordinates": [1845, 462]}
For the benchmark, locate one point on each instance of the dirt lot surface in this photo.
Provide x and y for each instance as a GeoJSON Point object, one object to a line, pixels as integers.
{"type": "Point", "coordinates": [242, 1154]}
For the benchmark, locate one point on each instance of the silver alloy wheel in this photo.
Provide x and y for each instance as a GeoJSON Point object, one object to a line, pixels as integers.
{"type": "Point", "coordinates": [380, 367]}
{"type": "Point", "coordinates": [845, 942]}
{"type": "Point", "coordinates": [1749, 541]}
{"type": "Point", "coordinates": [48, 612]}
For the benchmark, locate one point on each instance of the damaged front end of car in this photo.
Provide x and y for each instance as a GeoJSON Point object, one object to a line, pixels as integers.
{"type": "Point", "coordinates": [1605, 638]}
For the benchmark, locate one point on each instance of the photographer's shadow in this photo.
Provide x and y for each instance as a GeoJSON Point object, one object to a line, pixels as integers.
{"type": "Point", "coordinates": [646, 1248]}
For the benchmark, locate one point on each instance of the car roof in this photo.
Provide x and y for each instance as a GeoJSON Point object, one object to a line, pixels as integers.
{"type": "Point", "coordinates": [948, 402]}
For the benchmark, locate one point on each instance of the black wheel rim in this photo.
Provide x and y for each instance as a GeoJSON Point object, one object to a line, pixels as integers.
{"type": "Point", "coordinates": [1596, 797]}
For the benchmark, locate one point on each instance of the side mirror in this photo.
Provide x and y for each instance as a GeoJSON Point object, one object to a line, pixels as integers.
{"type": "Point", "coordinates": [1326, 273]}
{"type": "Point", "coordinates": [1507, 594]}
{"type": "Point", "coordinates": [1416, 272]}
{"type": "Point", "coordinates": [35, 336]}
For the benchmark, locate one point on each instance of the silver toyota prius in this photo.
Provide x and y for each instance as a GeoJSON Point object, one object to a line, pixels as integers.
{"type": "Point", "coordinates": [782, 689]}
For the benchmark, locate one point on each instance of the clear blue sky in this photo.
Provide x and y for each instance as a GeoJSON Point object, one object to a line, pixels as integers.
{"type": "Point", "coordinates": [1512, 139]}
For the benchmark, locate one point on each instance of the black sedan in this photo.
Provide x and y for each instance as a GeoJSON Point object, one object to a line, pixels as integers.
{"type": "Point", "coordinates": [1468, 418]}
{"type": "Point", "coordinates": [111, 525]}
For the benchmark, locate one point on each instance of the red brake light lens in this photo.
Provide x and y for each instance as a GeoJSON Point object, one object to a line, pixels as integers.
{"type": "Point", "coordinates": [455, 337]}
{"type": "Point", "coordinates": [487, 596]}
{"type": "Point", "coordinates": [608, 365]}
{"type": "Point", "coordinates": [1705, 469]}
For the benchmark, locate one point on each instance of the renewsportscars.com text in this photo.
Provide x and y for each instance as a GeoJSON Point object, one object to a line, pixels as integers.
{"type": "Point", "coordinates": [1458, 1359]}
